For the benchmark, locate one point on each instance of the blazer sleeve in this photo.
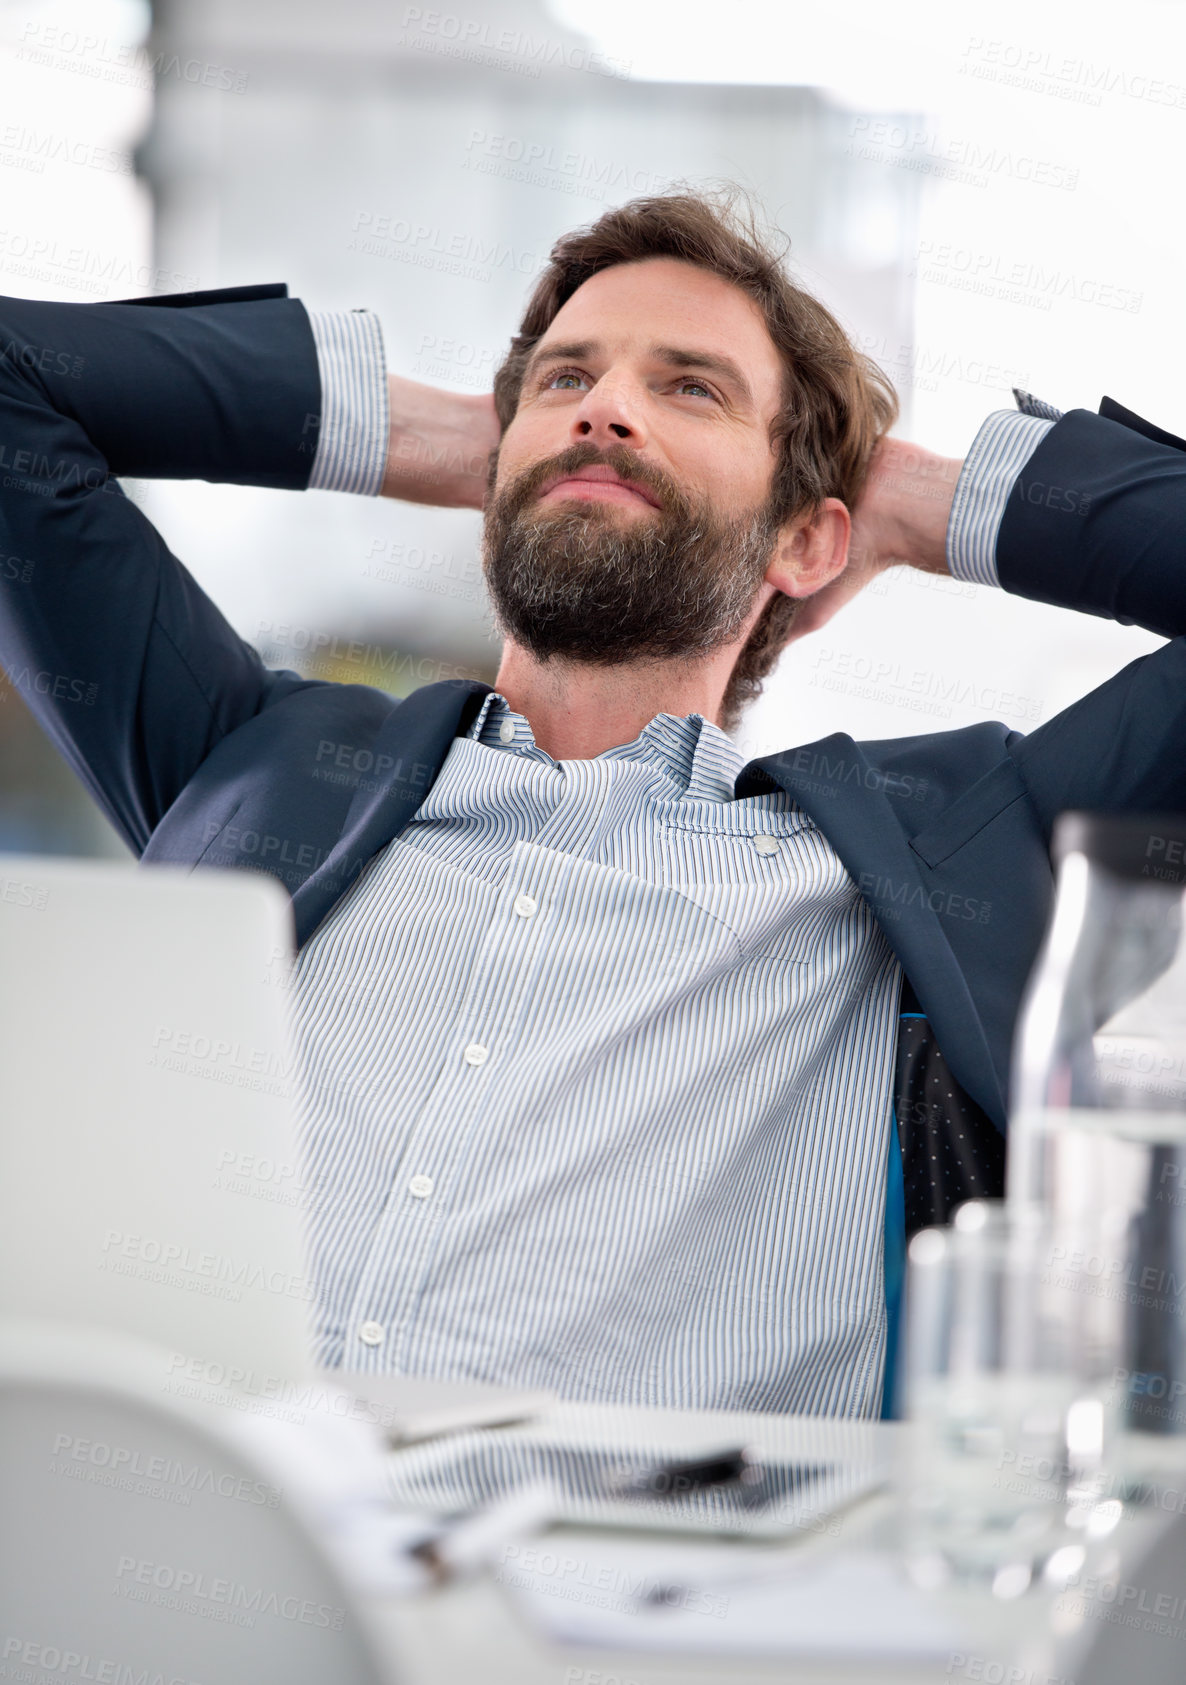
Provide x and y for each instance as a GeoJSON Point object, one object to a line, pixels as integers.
{"type": "Point", "coordinates": [129, 667]}
{"type": "Point", "coordinates": [1097, 522]}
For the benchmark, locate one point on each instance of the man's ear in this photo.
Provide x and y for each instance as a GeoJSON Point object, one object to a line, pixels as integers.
{"type": "Point", "coordinates": [811, 550]}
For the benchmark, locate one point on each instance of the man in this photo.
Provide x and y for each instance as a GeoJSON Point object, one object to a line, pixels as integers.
{"type": "Point", "coordinates": [601, 1031]}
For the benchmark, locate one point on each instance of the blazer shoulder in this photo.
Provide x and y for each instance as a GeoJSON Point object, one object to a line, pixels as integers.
{"type": "Point", "coordinates": [1112, 411]}
{"type": "Point", "coordinates": [212, 295]}
{"type": "Point", "coordinates": [835, 779]}
{"type": "Point", "coordinates": [952, 760]}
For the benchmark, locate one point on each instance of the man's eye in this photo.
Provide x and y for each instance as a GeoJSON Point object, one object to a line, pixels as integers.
{"type": "Point", "coordinates": [554, 381]}
{"type": "Point", "coordinates": [697, 383]}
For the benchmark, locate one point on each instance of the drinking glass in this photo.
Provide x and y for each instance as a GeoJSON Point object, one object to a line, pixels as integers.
{"type": "Point", "coordinates": [1097, 1125]}
{"type": "Point", "coordinates": [1005, 1476]}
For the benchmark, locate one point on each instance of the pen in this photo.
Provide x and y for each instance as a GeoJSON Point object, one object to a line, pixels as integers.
{"type": "Point", "coordinates": [459, 1546]}
{"type": "Point", "coordinates": [738, 1464]}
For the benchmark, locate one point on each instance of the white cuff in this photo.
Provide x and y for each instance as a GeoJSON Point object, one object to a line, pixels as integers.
{"type": "Point", "coordinates": [353, 434]}
{"type": "Point", "coordinates": [999, 452]}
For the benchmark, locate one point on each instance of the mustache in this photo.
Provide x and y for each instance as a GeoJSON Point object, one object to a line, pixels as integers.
{"type": "Point", "coordinates": [623, 461]}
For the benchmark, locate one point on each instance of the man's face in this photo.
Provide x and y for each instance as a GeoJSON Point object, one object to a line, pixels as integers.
{"type": "Point", "coordinates": [629, 513]}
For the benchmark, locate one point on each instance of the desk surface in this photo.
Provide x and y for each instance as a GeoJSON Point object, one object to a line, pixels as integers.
{"type": "Point", "coordinates": [476, 1631]}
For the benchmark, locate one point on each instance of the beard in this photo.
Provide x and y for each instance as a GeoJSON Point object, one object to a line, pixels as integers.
{"type": "Point", "coordinates": [587, 583]}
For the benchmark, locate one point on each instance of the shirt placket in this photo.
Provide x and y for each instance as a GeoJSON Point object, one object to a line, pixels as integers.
{"type": "Point", "coordinates": [481, 1042]}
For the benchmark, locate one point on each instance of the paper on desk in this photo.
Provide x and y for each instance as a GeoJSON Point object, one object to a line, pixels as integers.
{"type": "Point", "coordinates": [853, 1603]}
{"type": "Point", "coordinates": [410, 1408]}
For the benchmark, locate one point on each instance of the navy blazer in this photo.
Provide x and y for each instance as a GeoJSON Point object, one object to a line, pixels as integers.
{"type": "Point", "coordinates": [200, 755]}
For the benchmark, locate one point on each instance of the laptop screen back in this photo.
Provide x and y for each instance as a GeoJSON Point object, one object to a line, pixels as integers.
{"type": "Point", "coordinates": [150, 1178]}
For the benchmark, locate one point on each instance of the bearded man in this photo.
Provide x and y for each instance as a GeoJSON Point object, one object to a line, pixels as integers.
{"type": "Point", "coordinates": [627, 1067]}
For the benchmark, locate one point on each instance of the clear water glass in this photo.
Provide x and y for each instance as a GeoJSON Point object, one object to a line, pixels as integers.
{"type": "Point", "coordinates": [1005, 1476]}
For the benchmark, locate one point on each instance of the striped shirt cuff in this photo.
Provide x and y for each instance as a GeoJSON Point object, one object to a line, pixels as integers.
{"type": "Point", "coordinates": [999, 452]}
{"type": "Point", "coordinates": [352, 439]}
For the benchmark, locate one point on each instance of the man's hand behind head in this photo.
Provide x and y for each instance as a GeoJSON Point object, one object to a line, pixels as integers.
{"type": "Point", "coordinates": [439, 445]}
{"type": "Point", "coordinates": [900, 520]}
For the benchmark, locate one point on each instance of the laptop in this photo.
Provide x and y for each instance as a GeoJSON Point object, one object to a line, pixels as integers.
{"type": "Point", "coordinates": [151, 1177]}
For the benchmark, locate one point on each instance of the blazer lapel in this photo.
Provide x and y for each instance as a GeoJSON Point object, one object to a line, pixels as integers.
{"type": "Point", "coordinates": [407, 755]}
{"type": "Point", "coordinates": [852, 803]}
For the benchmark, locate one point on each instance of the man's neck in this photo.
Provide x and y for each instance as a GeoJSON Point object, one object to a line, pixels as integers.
{"type": "Point", "coordinates": [577, 711]}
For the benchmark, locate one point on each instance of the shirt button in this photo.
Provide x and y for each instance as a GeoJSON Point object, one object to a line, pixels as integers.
{"type": "Point", "coordinates": [371, 1334]}
{"type": "Point", "coordinates": [420, 1187]}
{"type": "Point", "coordinates": [524, 906]}
{"type": "Point", "coordinates": [506, 731]}
{"type": "Point", "coordinates": [766, 845]}
{"type": "Point", "coordinates": [475, 1054]}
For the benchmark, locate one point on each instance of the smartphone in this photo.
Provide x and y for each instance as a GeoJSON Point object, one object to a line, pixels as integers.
{"type": "Point", "coordinates": [724, 1491]}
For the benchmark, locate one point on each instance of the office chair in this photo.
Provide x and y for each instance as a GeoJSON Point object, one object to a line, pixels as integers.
{"type": "Point", "coordinates": [163, 1536]}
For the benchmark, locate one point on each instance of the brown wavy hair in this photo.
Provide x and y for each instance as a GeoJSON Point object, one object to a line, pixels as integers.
{"type": "Point", "coordinates": [836, 402]}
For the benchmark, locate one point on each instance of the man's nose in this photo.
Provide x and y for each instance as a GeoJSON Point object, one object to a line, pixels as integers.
{"type": "Point", "coordinates": [609, 413]}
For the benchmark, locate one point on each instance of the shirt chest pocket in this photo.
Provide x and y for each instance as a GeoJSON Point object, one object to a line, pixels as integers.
{"type": "Point", "coordinates": [774, 879]}
{"type": "Point", "coordinates": [736, 851]}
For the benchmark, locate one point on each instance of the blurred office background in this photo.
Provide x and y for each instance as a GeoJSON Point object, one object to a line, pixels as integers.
{"type": "Point", "coordinates": [979, 195]}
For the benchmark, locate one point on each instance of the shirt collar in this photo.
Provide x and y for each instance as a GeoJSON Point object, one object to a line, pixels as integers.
{"type": "Point", "coordinates": [692, 752]}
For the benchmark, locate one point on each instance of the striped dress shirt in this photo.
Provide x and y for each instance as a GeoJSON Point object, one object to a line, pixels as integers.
{"type": "Point", "coordinates": [597, 1068]}
{"type": "Point", "coordinates": [596, 1060]}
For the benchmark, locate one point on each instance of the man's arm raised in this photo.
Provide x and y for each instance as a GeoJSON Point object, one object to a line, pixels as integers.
{"type": "Point", "coordinates": [131, 670]}
{"type": "Point", "coordinates": [439, 445]}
